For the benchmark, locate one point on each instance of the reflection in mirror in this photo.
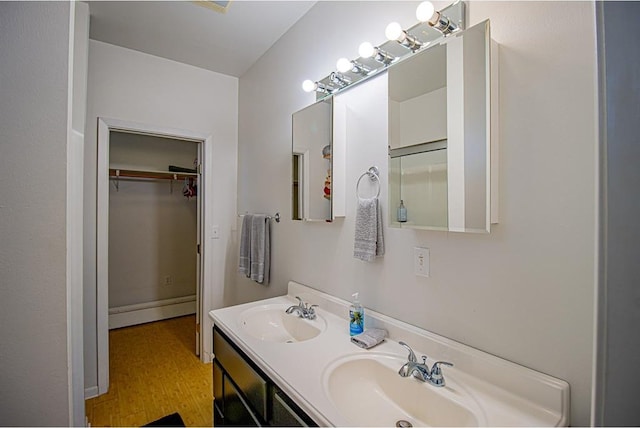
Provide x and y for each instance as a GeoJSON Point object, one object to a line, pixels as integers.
{"type": "Point", "coordinates": [312, 162]}
{"type": "Point", "coordinates": [439, 135]}
{"type": "Point", "coordinates": [418, 183]}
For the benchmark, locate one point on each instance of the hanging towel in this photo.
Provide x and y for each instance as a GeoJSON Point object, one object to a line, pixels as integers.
{"type": "Point", "coordinates": [245, 245]}
{"type": "Point", "coordinates": [369, 241]}
{"type": "Point", "coordinates": [379, 235]}
{"type": "Point", "coordinates": [260, 252]}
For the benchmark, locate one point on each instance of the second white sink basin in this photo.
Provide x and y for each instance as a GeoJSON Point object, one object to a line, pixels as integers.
{"type": "Point", "coordinates": [271, 323]}
{"type": "Point", "coordinates": [368, 391]}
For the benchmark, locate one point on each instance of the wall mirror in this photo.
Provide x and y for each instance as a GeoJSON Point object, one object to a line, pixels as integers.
{"type": "Point", "coordinates": [440, 150]}
{"type": "Point", "coordinates": [313, 162]}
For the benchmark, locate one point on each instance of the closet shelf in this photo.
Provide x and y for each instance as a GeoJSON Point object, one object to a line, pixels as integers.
{"type": "Point", "coordinates": [140, 173]}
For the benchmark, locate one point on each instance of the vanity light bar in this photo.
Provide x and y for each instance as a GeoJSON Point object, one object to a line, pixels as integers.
{"type": "Point", "coordinates": [376, 58]}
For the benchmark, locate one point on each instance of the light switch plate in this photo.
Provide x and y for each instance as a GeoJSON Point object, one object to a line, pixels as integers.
{"type": "Point", "coordinates": [421, 261]}
{"type": "Point", "coordinates": [215, 232]}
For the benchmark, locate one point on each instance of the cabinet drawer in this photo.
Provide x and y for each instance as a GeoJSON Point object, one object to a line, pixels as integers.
{"type": "Point", "coordinates": [245, 377]}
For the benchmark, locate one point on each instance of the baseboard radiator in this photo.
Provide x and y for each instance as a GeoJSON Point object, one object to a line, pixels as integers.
{"type": "Point", "coordinates": [123, 316]}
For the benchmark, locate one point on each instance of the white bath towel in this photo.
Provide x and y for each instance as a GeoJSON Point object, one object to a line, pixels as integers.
{"type": "Point", "coordinates": [369, 241]}
{"type": "Point", "coordinates": [245, 246]}
{"type": "Point", "coordinates": [260, 249]}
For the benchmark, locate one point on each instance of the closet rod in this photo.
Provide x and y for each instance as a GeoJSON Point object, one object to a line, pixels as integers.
{"type": "Point", "coordinates": [162, 175]}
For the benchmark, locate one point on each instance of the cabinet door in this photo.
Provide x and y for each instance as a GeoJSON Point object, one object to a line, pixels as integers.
{"type": "Point", "coordinates": [236, 412]}
{"type": "Point", "coordinates": [235, 366]}
{"type": "Point", "coordinates": [283, 414]}
{"type": "Point", "coordinates": [218, 379]}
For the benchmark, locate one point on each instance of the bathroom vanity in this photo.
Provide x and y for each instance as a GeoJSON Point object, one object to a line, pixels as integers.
{"type": "Point", "coordinates": [280, 369]}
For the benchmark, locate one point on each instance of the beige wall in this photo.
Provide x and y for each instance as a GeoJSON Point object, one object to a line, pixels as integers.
{"type": "Point", "coordinates": [524, 292]}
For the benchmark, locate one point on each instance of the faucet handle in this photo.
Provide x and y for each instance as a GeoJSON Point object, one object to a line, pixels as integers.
{"type": "Point", "coordinates": [436, 372]}
{"type": "Point", "coordinates": [412, 356]}
{"type": "Point", "coordinates": [300, 302]}
{"type": "Point", "coordinates": [437, 364]}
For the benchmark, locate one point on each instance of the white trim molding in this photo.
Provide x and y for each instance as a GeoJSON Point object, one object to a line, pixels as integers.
{"type": "Point", "coordinates": [140, 313]}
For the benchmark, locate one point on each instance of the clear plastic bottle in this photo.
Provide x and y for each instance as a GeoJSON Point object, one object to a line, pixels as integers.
{"type": "Point", "coordinates": [402, 212]}
{"type": "Point", "coordinates": [356, 316]}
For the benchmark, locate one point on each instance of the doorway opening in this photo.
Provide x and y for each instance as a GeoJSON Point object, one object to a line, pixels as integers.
{"type": "Point", "coordinates": [150, 221]}
{"type": "Point", "coordinates": [153, 228]}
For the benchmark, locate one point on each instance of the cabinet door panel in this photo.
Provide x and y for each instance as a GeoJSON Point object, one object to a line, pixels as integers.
{"type": "Point", "coordinates": [283, 415]}
{"type": "Point", "coordinates": [236, 411]}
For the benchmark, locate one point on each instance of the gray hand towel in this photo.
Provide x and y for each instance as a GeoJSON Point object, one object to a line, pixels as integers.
{"type": "Point", "coordinates": [260, 249]}
{"type": "Point", "coordinates": [379, 235]}
{"type": "Point", "coordinates": [369, 241]}
{"type": "Point", "coordinates": [245, 245]}
{"type": "Point", "coordinates": [370, 338]}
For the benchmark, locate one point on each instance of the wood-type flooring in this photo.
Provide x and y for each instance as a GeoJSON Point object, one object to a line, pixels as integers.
{"type": "Point", "coordinates": [153, 372]}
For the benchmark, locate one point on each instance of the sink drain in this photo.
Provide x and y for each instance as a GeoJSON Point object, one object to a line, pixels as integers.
{"type": "Point", "coordinates": [403, 424]}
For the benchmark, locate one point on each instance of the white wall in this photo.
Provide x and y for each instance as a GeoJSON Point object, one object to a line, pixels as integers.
{"type": "Point", "coordinates": [524, 292]}
{"type": "Point", "coordinates": [152, 229]}
{"type": "Point", "coordinates": [34, 100]}
{"type": "Point", "coordinates": [136, 87]}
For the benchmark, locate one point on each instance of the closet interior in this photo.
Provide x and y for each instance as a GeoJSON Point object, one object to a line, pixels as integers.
{"type": "Point", "coordinates": [153, 228]}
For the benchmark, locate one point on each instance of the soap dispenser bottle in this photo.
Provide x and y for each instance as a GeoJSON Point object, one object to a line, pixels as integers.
{"type": "Point", "coordinates": [356, 316]}
{"type": "Point", "coordinates": [402, 212]}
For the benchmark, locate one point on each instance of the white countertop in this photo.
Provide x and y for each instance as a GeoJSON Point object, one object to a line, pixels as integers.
{"type": "Point", "coordinates": [514, 395]}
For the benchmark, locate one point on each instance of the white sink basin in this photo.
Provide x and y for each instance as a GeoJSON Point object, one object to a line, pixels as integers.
{"type": "Point", "coordinates": [367, 391]}
{"type": "Point", "coordinates": [272, 324]}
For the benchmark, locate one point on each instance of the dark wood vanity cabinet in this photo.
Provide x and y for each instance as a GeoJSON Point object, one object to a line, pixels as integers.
{"type": "Point", "coordinates": [244, 395]}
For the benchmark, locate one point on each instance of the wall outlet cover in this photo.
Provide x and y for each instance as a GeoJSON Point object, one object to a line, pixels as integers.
{"type": "Point", "coordinates": [421, 261]}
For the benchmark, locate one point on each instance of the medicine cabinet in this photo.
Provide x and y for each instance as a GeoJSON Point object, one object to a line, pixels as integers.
{"type": "Point", "coordinates": [318, 162]}
{"type": "Point", "coordinates": [442, 153]}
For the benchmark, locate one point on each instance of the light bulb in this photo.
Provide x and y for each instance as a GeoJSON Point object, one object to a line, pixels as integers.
{"type": "Point", "coordinates": [425, 11]}
{"type": "Point", "coordinates": [309, 86]}
{"type": "Point", "coordinates": [343, 65]}
{"type": "Point", "coordinates": [394, 32]}
{"type": "Point", "coordinates": [366, 50]}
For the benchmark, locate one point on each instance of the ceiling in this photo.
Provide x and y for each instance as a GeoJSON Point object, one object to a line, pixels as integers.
{"type": "Point", "coordinates": [184, 31]}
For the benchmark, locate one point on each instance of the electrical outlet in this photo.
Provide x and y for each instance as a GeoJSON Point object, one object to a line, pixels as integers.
{"type": "Point", "coordinates": [168, 281]}
{"type": "Point", "coordinates": [421, 261]}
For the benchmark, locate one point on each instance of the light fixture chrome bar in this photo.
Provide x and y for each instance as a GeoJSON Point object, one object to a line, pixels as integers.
{"type": "Point", "coordinates": [443, 24]}
{"type": "Point", "coordinates": [360, 68]}
{"type": "Point", "coordinates": [339, 79]}
{"type": "Point", "coordinates": [382, 56]}
{"type": "Point", "coordinates": [410, 42]}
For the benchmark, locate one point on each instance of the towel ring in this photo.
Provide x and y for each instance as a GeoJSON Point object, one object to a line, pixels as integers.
{"type": "Point", "coordinates": [373, 175]}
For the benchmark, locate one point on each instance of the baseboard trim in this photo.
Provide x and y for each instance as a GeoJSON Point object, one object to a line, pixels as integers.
{"type": "Point", "coordinates": [124, 316]}
{"type": "Point", "coordinates": [90, 392]}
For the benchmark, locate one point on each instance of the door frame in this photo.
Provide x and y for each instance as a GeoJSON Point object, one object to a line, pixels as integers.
{"type": "Point", "coordinates": [105, 126]}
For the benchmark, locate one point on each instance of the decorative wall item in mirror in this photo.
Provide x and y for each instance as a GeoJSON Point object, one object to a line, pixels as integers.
{"type": "Point", "coordinates": [441, 172]}
{"type": "Point", "coordinates": [317, 163]}
{"type": "Point", "coordinates": [433, 27]}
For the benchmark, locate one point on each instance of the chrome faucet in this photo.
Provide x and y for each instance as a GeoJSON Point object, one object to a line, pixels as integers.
{"type": "Point", "coordinates": [304, 310]}
{"type": "Point", "coordinates": [421, 371]}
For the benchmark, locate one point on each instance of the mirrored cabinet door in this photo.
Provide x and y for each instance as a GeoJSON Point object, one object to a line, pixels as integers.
{"type": "Point", "coordinates": [440, 135]}
{"type": "Point", "coordinates": [315, 157]}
